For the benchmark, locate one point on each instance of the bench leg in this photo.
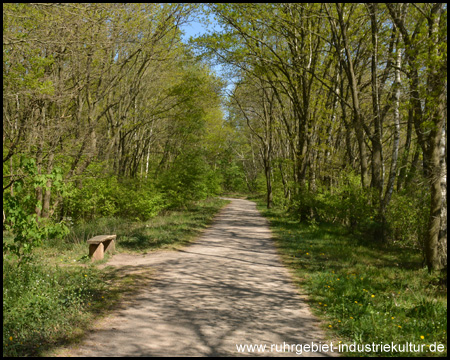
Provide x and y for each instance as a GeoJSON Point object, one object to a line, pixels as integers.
{"type": "Point", "coordinates": [96, 251]}
{"type": "Point", "coordinates": [110, 246]}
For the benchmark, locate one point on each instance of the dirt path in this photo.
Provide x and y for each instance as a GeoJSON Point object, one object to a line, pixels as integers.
{"type": "Point", "coordinates": [228, 288]}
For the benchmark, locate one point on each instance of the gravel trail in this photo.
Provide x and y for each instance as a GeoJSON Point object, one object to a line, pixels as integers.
{"type": "Point", "coordinates": [227, 289]}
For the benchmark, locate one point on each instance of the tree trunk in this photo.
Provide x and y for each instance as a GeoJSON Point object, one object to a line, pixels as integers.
{"type": "Point", "coordinates": [436, 241]}
{"type": "Point", "coordinates": [357, 116]}
{"type": "Point", "coordinates": [442, 242]}
{"type": "Point", "coordinates": [393, 172]}
{"type": "Point", "coordinates": [47, 193]}
{"type": "Point", "coordinates": [402, 181]}
{"type": "Point", "coordinates": [437, 234]}
{"type": "Point", "coordinates": [267, 173]}
{"type": "Point", "coordinates": [377, 154]}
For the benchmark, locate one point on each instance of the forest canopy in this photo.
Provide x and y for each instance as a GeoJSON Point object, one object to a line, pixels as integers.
{"type": "Point", "coordinates": [338, 113]}
{"type": "Point", "coordinates": [345, 107]}
{"type": "Point", "coordinates": [105, 113]}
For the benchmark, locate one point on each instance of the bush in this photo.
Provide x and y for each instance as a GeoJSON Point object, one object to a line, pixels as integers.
{"type": "Point", "coordinates": [19, 209]}
{"type": "Point", "coordinates": [358, 209]}
{"type": "Point", "coordinates": [108, 197]}
{"type": "Point", "coordinates": [349, 205]}
{"type": "Point", "coordinates": [92, 197]}
{"type": "Point", "coordinates": [407, 217]}
{"type": "Point", "coordinates": [189, 179]}
{"type": "Point", "coordinates": [137, 199]}
{"type": "Point", "coordinates": [233, 178]}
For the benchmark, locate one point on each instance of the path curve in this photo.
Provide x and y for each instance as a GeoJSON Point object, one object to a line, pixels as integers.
{"type": "Point", "coordinates": [227, 288]}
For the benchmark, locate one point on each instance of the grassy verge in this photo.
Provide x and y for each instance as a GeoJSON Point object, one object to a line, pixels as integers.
{"type": "Point", "coordinates": [364, 293]}
{"type": "Point", "coordinates": [53, 299]}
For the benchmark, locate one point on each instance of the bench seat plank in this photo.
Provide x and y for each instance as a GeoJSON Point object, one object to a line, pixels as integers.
{"type": "Point", "coordinates": [101, 238]}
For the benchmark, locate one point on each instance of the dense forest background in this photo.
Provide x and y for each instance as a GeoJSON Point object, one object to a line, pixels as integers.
{"type": "Point", "coordinates": [338, 113]}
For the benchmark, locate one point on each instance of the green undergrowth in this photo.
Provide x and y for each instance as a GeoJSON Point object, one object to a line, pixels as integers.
{"type": "Point", "coordinates": [364, 293]}
{"type": "Point", "coordinates": [53, 298]}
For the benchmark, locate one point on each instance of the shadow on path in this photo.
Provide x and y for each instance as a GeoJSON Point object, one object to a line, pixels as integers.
{"type": "Point", "coordinates": [228, 288]}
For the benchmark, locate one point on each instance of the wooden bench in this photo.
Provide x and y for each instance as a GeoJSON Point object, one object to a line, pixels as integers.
{"type": "Point", "coordinates": [100, 244]}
